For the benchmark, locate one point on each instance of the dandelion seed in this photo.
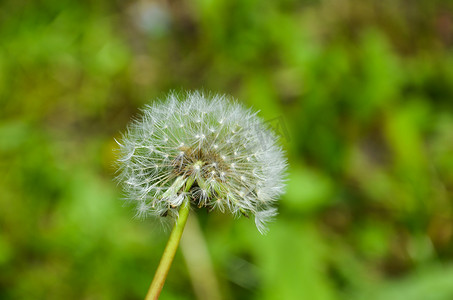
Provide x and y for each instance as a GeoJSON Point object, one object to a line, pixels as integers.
{"type": "Point", "coordinates": [164, 160]}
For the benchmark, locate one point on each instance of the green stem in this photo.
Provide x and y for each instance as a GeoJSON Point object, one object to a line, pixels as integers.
{"type": "Point", "coordinates": [169, 253]}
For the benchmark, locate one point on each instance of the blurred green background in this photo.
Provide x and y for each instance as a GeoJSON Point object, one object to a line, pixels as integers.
{"type": "Point", "coordinates": [364, 90]}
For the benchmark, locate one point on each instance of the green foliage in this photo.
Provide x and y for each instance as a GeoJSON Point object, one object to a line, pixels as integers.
{"type": "Point", "coordinates": [361, 92]}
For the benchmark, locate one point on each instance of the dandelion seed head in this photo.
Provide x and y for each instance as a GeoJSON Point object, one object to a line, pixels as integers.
{"type": "Point", "coordinates": [208, 149]}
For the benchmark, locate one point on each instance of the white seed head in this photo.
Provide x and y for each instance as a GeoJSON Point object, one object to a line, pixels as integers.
{"type": "Point", "coordinates": [209, 149]}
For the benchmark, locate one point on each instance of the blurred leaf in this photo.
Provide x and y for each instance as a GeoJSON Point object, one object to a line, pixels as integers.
{"type": "Point", "coordinates": [308, 190]}
{"type": "Point", "coordinates": [432, 283]}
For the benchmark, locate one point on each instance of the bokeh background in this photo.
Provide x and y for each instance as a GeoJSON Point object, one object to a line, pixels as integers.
{"type": "Point", "coordinates": [361, 93]}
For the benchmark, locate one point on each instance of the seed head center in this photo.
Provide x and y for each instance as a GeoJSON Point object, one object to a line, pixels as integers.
{"type": "Point", "coordinates": [204, 163]}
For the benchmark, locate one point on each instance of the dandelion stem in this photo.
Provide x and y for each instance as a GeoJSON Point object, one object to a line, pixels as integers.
{"type": "Point", "coordinates": [169, 253]}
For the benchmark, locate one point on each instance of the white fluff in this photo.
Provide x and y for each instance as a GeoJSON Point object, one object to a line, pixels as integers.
{"type": "Point", "coordinates": [228, 153]}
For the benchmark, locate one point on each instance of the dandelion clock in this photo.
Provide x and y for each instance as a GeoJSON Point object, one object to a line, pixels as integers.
{"type": "Point", "coordinates": [192, 151]}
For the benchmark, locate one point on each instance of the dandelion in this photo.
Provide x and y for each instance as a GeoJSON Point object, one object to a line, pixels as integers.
{"type": "Point", "coordinates": [194, 150]}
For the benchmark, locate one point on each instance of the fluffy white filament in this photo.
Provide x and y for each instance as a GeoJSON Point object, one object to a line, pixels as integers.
{"type": "Point", "coordinates": [209, 149]}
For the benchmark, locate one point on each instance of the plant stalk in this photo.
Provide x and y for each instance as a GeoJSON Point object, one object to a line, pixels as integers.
{"type": "Point", "coordinates": [169, 252]}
